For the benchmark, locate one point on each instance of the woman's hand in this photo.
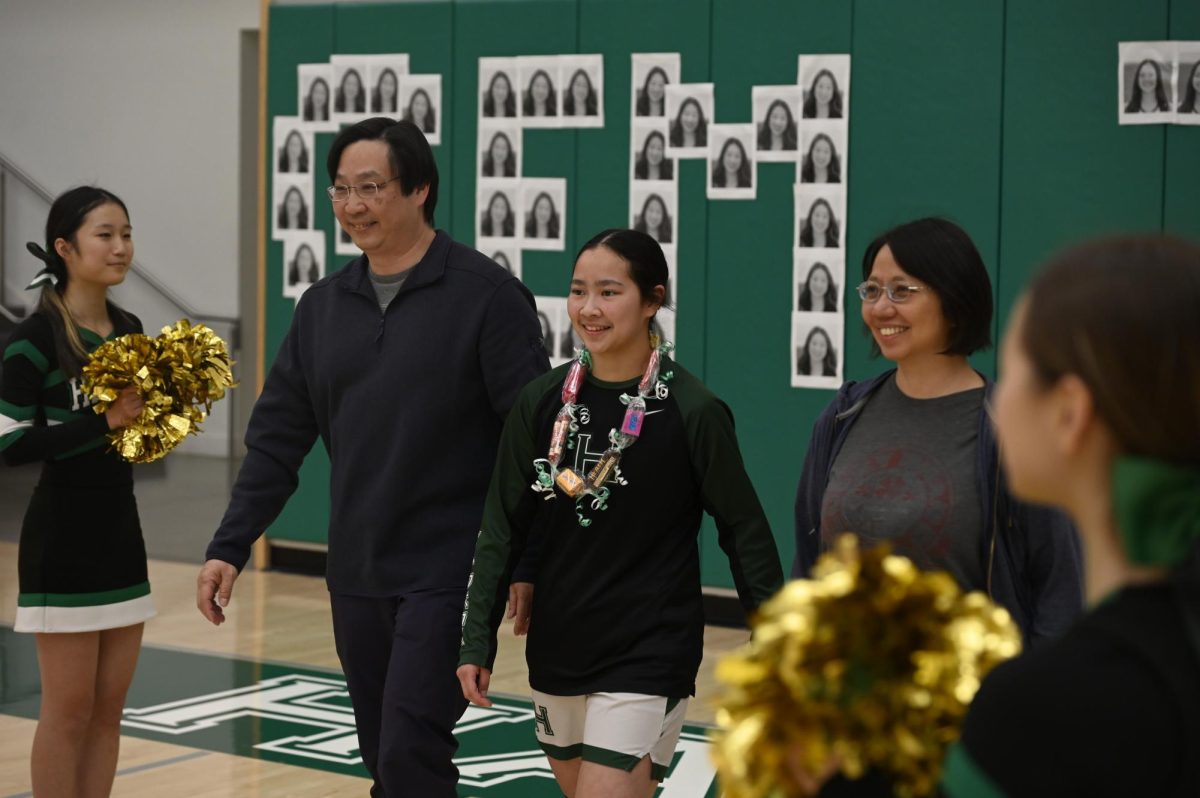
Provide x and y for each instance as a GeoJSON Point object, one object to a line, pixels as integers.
{"type": "Point", "coordinates": [125, 409]}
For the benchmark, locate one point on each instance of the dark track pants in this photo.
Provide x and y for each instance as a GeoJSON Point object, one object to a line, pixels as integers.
{"type": "Point", "coordinates": [399, 656]}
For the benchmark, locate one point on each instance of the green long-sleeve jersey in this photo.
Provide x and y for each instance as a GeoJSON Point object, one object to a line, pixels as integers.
{"type": "Point", "coordinates": [617, 605]}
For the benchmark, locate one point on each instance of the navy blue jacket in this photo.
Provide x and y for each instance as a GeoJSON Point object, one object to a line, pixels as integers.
{"type": "Point", "coordinates": [1031, 554]}
{"type": "Point", "coordinates": [409, 404]}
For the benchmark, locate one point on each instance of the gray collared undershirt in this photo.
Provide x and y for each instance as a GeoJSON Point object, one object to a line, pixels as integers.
{"type": "Point", "coordinates": [387, 286]}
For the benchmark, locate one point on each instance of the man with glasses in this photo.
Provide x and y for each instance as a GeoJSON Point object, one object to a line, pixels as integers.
{"type": "Point", "coordinates": [405, 362]}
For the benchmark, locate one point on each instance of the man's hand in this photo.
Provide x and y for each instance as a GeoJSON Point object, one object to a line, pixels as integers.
{"type": "Point", "coordinates": [520, 606]}
{"type": "Point", "coordinates": [214, 588]}
{"type": "Point", "coordinates": [475, 681]}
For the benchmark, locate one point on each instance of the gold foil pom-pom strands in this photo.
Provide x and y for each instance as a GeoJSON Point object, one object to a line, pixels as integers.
{"type": "Point", "coordinates": [871, 664]}
{"type": "Point", "coordinates": [178, 375]}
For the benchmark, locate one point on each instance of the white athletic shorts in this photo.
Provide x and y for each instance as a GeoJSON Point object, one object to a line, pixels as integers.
{"type": "Point", "coordinates": [613, 729]}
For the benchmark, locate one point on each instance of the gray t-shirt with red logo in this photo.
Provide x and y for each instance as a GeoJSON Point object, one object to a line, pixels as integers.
{"type": "Point", "coordinates": [907, 475]}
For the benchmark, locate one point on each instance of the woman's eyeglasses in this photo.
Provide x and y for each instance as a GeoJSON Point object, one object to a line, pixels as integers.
{"type": "Point", "coordinates": [869, 292]}
{"type": "Point", "coordinates": [364, 190]}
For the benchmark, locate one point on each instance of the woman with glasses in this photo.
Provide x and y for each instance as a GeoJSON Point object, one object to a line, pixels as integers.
{"type": "Point", "coordinates": [909, 456]}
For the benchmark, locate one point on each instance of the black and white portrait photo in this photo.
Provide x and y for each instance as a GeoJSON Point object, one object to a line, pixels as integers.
{"type": "Point", "coordinates": [557, 336]}
{"type": "Point", "coordinates": [383, 83]}
{"type": "Point", "coordinates": [583, 90]}
{"type": "Point", "coordinates": [670, 253]}
{"type": "Point", "coordinates": [539, 80]}
{"type": "Point", "coordinates": [731, 171]}
{"type": "Point", "coordinates": [496, 212]}
{"type": "Point", "coordinates": [499, 148]}
{"type": "Point", "coordinates": [820, 216]}
{"type": "Point", "coordinates": [652, 73]}
{"type": "Point", "coordinates": [343, 244]}
{"type": "Point", "coordinates": [291, 204]}
{"type": "Point", "coordinates": [649, 159]}
{"type": "Point", "coordinates": [819, 280]}
{"type": "Point", "coordinates": [508, 257]}
{"type": "Point", "coordinates": [315, 102]}
{"type": "Point", "coordinates": [303, 260]}
{"type": "Point", "coordinates": [421, 104]}
{"type": "Point", "coordinates": [816, 350]}
{"type": "Point", "coordinates": [543, 203]}
{"type": "Point", "coordinates": [665, 326]}
{"type": "Point", "coordinates": [652, 210]}
{"type": "Point", "coordinates": [825, 83]}
{"type": "Point", "coordinates": [822, 152]}
{"type": "Point", "coordinates": [293, 146]}
{"type": "Point", "coordinates": [1147, 82]}
{"type": "Point", "coordinates": [689, 114]}
{"type": "Point", "coordinates": [569, 342]}
{"type": "Point", "coordinates": [349, 88]}
{"type": "Point", "coordinates": [1187, 111]}
{"type": "Point", "coordinates": [776, 111]}
{"type": "Point", "coordinates": [497, 88]}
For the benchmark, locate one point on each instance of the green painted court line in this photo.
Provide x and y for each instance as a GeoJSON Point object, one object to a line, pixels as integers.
{"type": "Point", "coordinates": [299, 716]}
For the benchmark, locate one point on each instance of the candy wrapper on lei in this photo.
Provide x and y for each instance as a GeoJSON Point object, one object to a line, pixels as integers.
{"type": "Point", "coordinates": [592, 489]}
{"type": "Point", "coordinates": [872, 661]}
{"type": "Point", "coordinates": [179, 375]}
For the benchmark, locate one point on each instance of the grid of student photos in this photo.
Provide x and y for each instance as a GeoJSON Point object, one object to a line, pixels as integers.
{"type": "Point", "coordinates": [515, 213]}
{"type": "Point", "coordinates": [668, 120]}
{"type": "Point", "coordinates": [808, 124]}
{"type": "Point", "coordinates": [1158, 83]}
{"type": "Point", "coordinates": [343, 91]}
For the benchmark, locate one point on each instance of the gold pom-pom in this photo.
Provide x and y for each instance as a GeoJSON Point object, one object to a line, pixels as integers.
{"type": "Point", "coordinates": [179, 375]}
{"type": "Point", "coordinates": [871, 665]}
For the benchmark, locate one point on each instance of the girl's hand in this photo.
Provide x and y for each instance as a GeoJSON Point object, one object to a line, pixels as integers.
{"type": "Point", "coordinates": [127, 407]}
{"type": "Point", "coordinates": [474, 681]}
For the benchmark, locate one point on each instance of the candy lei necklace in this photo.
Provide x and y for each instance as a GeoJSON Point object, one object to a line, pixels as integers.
{"type": "Point", "coordinates": [591, 489]}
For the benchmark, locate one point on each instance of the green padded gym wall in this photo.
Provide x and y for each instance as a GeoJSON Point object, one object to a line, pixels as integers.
{"type": "Point", "coordinates": [1000, 114]}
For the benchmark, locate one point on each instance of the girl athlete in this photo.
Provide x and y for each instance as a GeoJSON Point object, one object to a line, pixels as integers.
{"type": "Point", "coordinates": [628, 449]}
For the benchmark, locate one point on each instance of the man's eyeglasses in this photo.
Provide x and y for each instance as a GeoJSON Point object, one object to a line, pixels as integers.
{"type": "Point", "coordinates": [364, 190]}
{"type": "Point", "coordinates": [869, 292]}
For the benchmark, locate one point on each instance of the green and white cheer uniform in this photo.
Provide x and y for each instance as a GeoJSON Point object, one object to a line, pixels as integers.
{"type": "Point", "coordinates": [82, 560]}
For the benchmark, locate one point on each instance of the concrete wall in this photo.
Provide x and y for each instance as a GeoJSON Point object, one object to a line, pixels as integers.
{"type": "Point", "coordinates": [141, 97]}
